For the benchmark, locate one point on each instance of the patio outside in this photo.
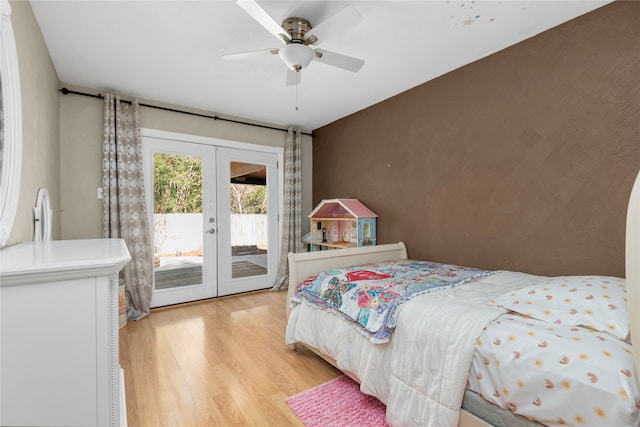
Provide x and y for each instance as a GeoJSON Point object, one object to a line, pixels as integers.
{"type": "Point", "coordinates": [178, 248]}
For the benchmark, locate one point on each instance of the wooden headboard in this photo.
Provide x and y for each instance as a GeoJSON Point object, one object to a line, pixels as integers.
{"type": "Point", "coordinates": [632, 255]}
{"type": "Point", "coordinates": [304, 264]}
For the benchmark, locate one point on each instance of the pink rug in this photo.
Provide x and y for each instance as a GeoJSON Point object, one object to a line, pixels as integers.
{"type": "Point", "coordinates": [338, 403]}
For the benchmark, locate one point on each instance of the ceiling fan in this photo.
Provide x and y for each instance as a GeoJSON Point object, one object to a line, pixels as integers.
{"type": "Point", "coordinates": [298, 35]}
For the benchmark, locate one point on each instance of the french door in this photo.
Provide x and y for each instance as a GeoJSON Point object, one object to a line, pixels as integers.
{"type": "Point", "coordinates": [213, 215]}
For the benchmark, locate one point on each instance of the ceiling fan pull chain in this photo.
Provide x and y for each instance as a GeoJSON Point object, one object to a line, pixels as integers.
{"type": "Point", "coordinates": [297, 83]}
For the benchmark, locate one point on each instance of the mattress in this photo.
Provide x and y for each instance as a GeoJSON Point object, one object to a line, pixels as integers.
{"type": "Point", "coordinates": [494, 415]}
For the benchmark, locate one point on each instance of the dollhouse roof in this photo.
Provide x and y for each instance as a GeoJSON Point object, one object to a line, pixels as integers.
{"type": "Point", "coordinates": [342, 208]}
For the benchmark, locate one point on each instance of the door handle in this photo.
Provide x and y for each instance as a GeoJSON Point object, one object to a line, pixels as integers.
{"type": "Point", "coordinates": [211, 231]}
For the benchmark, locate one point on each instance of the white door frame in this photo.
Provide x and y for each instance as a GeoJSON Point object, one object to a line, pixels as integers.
{"type": "Point", "coordinates": [174, 137]}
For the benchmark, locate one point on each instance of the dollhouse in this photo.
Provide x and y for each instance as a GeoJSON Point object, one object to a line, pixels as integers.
{"type": "Point", "coordinates": [342, 223]}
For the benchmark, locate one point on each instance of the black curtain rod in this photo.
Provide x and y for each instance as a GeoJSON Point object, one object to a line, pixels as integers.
{"type": "Point", "coordinates": [66, 91]}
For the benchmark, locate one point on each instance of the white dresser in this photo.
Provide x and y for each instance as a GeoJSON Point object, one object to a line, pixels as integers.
{"type": "Point", "coordinates": [59, 355]}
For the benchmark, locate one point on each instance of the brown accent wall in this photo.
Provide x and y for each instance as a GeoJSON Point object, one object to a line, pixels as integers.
{"type": "Point", "coordinates": [523, 160]}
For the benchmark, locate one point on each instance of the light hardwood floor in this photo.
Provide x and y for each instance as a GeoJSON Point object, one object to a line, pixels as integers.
{"type": "Point", "coordinates": [219, 362]}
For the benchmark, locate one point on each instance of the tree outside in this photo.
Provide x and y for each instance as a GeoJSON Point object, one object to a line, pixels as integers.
{"type": "Point", "coordinates": [178, 188]}
{"type": "Point", "coordinates": [177, 183]}
{"type": "Point", "coordinates": [248, 199]}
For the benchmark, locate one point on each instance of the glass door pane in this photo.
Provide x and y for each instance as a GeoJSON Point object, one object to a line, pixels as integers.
{"type": "Point", "coordinates": [248, 200]}
{"type": "Point", "coordinates": [177, 220]}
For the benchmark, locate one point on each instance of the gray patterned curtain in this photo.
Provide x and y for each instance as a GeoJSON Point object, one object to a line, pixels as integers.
{"type": "Point", "coordinates": [124, 212]}
{"type": "Point", "coordinates": [292, 221]}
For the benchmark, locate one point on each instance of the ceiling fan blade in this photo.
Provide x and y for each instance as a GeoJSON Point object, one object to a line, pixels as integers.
{"type": "Point", "coordinates": [264, 19]}
{"type": "Point", "coordinates": [293, 77]}
{"type": "Point", "coordinates": [346, 17]}
{"type": "Point", "coordinates": [345, 62]}
{"type": "Point", "coordinates": [251, 54]}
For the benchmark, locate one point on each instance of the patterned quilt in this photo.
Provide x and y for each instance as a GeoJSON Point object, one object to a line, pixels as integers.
{"type": "Point", "coordinates": [370, 294]}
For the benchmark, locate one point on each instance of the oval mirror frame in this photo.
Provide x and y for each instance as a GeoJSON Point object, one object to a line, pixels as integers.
{"type": "Point", "coordinates": [42, 217]}
{"type": "Point", "coordinates": [11, 129]}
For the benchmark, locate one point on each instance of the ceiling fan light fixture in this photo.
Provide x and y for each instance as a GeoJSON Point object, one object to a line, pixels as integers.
{"type": "Point", "coordinates": [296, 56]}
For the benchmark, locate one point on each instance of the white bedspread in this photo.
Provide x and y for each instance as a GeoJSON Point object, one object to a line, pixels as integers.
{"type": "Point", "coordinates": [422, 372]}
{"type": "Point", "coordinates": [429, 375]}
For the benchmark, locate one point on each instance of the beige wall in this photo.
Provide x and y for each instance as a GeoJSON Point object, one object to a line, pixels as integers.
{"type": "Point", "coordinates": [81, 153]}
{"type": "Point", "coordinates": [523, 160]}
{"type": "Point", "coordinates": [40, 123]}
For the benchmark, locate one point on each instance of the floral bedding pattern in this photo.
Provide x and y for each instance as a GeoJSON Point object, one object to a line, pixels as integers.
{"type": "Point", "coordinates": [370, 294]}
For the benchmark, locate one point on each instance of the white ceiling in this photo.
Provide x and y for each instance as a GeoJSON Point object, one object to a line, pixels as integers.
{"type": "Point", "coordinates": [170, 51]}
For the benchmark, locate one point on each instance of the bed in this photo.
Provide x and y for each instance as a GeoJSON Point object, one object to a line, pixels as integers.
{"type": "Point", "coordinates": [435, 366]}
